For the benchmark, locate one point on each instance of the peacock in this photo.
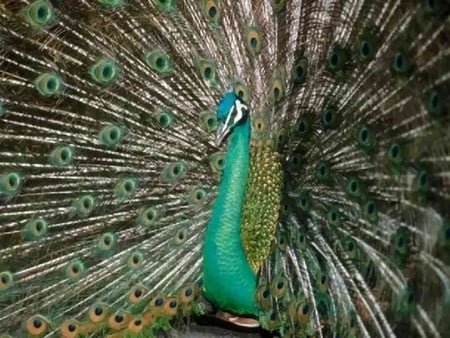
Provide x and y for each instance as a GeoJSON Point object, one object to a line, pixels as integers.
{"type": "Point", "coordinates": [276, 165]}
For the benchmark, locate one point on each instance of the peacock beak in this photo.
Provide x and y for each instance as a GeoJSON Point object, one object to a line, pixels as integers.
{"type": "Point", "coordinates": [222, 132]}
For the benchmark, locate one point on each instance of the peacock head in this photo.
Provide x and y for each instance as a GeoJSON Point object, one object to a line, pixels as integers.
{"type": "Point", "coordinates": [231, 111]}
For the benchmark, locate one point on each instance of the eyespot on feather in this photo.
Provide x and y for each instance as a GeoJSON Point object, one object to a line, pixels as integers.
{"type": "Point", "coordinates": [105, 71]}
{"type": "Point", "coordinates": [137, 293]}
{"type": "Point", "coordinates": [279, 287]}
{"type": "Point", "coordinates": [149, 216]}
{"type": "Point", "coordinates": [253, 40]}
{"type": "Point", "coordinates": [217, 161]}
{"type": "Point", "coordinates": [299, 72]}
{"type": "Point", "coordinates": [75, 270]}
{"type": "Point", "coordinates": [98, 313]}
{"type": "Point", "coordinates": [170, 307]}
{"type": "Point", "coordinates": [119, 320]}
{"type": "Point", "coordinates": [35, 229]}
{"type": "Point", "coordinates": [37, 325]}
{"type": "Point", "coordinates": [181, 236]}
{"type": "Point", "coordinates": [187, 294]}
{"type": "Point", "coordinates": [125, 188]}
{"type": "Point", "coordinates": [212, 11]}
{"type": "Point", "coordinates": [48, 84]}
{"type": "Point", "coordinates": [135, 260]}
{"type": "Point", "coordinates": [6, 280]}
{"type": "Point", "coordinates": [111, 135]}
{"type": "Point", "coordinates": [264, 296]}
{"type": "Point", "coordinates": [106, 242]}
{"type": "Point", "coordinates": [40, 13]}
{"type": "Point", "coordinates": [208, 121]}
{"type": "Point", "coordinates": [165, 118]}
{"type": "Point", "coordinates": [277, 87]}
{"type": "Point", "coordinates": [70, 329]}
{"type": "Point", "coordinates": [207, 70]}
{"type": "Point", "coordinates": [242, 91]}
{"type": "Point", "coordinates": [174, 172]}
{"type": "Point", "coordinates": [61, 156]}
{"type": "Point", "coordinates": [196, 196]}
{"type": "Point", "coordinates": [136, 325]}
{"type": "Point", "coordinates": [84, 205]}
{"type": "Point", "coordinates": [10, 183]}
{"type": "Point", "coordinates": [159, 62]}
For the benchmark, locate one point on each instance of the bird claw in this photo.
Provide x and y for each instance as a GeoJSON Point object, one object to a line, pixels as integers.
{"type": "Point", "coordinates": [238, 320]}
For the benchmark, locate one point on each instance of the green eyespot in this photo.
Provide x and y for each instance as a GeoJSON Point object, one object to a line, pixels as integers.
{"type": "Point", "coordinates": [334, 218]}
{"type": "Point", "coordinates": [6, 280]}
{"type": "Point", "coordinates": [337, 59]}
{"type": "Point", "coordinates": [106, 242]}
{"type": "Point", "coordinates": [217, 161]}
{"type": "Point", "coordinates": [197, 195]}
{"type": "Point", "coordinates": [165, 118]}
{"type": "Point", "coordinates": [35, 229]}
{"type": "Point", "coordinates": [300, 71]}
{"type": "Point", "coordinates": [366, 48]}
{"type": "Point", "coordinates": [149, 216]}
{"type": "Point", "coordinates": [435, 103]}
{"type": "Point", "coordinates": [40, 13]}
{"type": "Point", "coordinates": [366, 139]}
{"type": "Point", "coordinates": [305, 201]}
{"type": "Point", "coordinates": [61, 156]}
{"type": "Point", "coordinates": [104, 71]}
{"type": "Point", "coordinates": [173, 172]}
{"type": "Point", "coordinates": [48, 84]}
{"type": "Point", "coordinates": [208, 121]}
{"type": "Point", "coordinates": [181, 236]}
{"type": "Point", "coordinates": [304, 127]}
{"type": "Point", "coordinates": [84, 205]}
{"type": "Point", "coordinates": [135, 260]}
{"type": "Point", "coordinates": [329, 117]}
{"type": "Point", "coordinates": [207, 70]}
{"type": "Point", "coordinates": [401, 64]}
{"type": "Point", "coordinates": [354, 187]}
{"type": "Point", "coordinates": [125, 188]}
{"type": "Point", "coordinates": [423, 181]}
{"type": "Point", "coordinates": [253, 40]}
{"type": "Point", "coordinates": [242, 91]}
{"type": "Point", "coordinates": [159, 61]}
{"type": "Point", "coordinates": [10, 183]}
{"type": "Point", "coordinates": [260, 127]}
{"type": "Point", "coordinates": [75, 270]}
{"type": "Point", "coordinates": [277, 88]}
{"type": "Point", "coordinates": [111, 135]}
{"type": "Point", "coordinates": [323, 172]}
{"type": "Point", "coordinates": [212, 10]}
{"type": "Point", "coordinates": [371, 211]}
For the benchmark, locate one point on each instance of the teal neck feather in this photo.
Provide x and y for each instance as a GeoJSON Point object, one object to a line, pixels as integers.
{"type": "Point", "coordinates": [228, 279]}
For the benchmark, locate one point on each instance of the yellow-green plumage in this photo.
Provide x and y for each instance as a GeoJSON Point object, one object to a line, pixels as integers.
{"type": "Point", "coordinates": [261, 209]}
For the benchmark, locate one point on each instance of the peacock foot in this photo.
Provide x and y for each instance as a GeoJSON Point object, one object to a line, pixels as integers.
{"type": "Point", "coordinates": [237, 320]}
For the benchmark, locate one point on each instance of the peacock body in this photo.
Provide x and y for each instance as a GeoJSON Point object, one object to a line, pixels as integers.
{"type": "Point", "coordinates": [275, 163]}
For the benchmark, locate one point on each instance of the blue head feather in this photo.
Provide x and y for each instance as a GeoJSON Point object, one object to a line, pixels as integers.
{"type": "Point", "coordinates": [224, 107]}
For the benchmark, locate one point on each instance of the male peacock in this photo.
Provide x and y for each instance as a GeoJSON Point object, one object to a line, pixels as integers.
{"type": "Point", "coordinates": [281, 163]}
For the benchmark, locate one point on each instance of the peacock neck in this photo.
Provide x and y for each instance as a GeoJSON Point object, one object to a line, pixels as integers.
{"type": "Point", "coordinates": [229, 281]}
